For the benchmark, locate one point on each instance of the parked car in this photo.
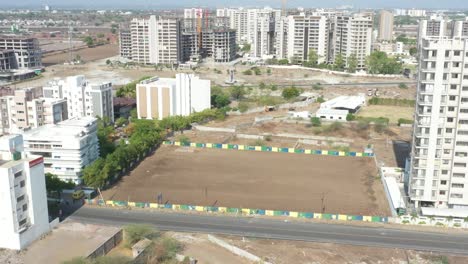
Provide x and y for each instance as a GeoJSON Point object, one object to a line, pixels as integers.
{"type": "Point", "coordinates": [76, 195]}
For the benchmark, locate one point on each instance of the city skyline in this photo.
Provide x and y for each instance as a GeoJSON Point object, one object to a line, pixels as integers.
{"type": "Point", "coordinates": [139, 4]}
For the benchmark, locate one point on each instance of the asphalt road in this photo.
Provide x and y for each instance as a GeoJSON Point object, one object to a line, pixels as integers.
{"type": "Point", "coordinates": [275, 229]}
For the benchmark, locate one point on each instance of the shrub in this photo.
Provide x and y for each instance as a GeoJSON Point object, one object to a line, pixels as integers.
{"type": "Point", "coordinates": [404, 121]}
{"type": "Point", "coordinates": [134, 233]}
{"type": "Point", "coordinates": [439, 224]}
{"type": "Point", "coordinates": [267, 138]}
{"type": "Point", "coordinates": [350, 117]}
{"type": "Point", "coordinates": [315, 121]}
{"type": "Point", "coordinates": [317, 86]}
{"type": "Point", "coordinates": [320, 99]}
{"type": "Point", "coordinates": [334, 127]}
{"type": "Point", "coordinates": [247, 72]}
{"type": "Point", "coordinates": [405, 222]}
{"type": "Point", "coordinates": [403, 86]}
{"type": "Point", "coordinates": [283, 62]}
{"type": "Point", "coordinates": [268, 71]}
{"type": "Point", "coordinates": [422, 223]}
{"type": "Point", "coordinates": [457, 225]}
{"type": "Point", "coordinates": [184, 140]}
{"type": "Point", "coordinates": [380, 127]}
{"type": "Point", "coordinates": [243, 107]}
{"type": "Point", "coordinates": [290, 93]}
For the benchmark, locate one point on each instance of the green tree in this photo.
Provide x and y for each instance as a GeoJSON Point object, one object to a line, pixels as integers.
{"type": "Point", "coordinates": [379, 63]}
{"type": "Point", "coordinates": [56, 185]}
{"type": "Point", "coordinates": [352, 63]}
{"type": "Point", "coordinates": [312, 59]}
{"type": "Point", "coordinates": [413, 51]}
{"type": "Point", "coordinates": [135, 233]}
{"type": "Point", "coordinates": [221, 101]}
{"type": "Point", "coordinates": [89, 41]}
{"type": "Point", "coordinates": [246, 48]}
{"type": "Point", "coordinates": [315, 121]}
{"type": "Point", "coordinates": [247, 72]}
{"type": "Point", "coordinates": [105, 133]}
{"type": "Point", "coordinates": [283, 62]}
{"type": "Point", "coordinates": [237, 92]}
{"type": "Point", "coordinates": [340, 63]}
{"type": "Point", "coordinates": [350, 117]}
{"type": "Point", "coordinates": [290, 93]}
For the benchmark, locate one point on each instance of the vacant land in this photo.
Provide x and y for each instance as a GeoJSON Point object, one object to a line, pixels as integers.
{"type": "Point", "coordinates": [280, 181]}
{"type": "Point", "coordinates": [391, 112]}
{"type": "Point", "coordinates": [86, 54]}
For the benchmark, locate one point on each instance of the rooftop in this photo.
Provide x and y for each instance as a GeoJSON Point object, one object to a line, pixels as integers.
{"type": "Point", "coordinates": [67, 128]}
{"type": "Point", "coordinates": [347, 102]}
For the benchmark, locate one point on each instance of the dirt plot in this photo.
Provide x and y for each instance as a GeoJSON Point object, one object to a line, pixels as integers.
{"type": "Point", "coordinates": [280, 181]}
{"type": "Point", "coordinates": [86, 54]}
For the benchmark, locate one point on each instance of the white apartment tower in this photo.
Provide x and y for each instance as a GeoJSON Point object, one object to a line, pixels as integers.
{"type": "Point", "coordinates": [306, 33]}
{"type": "Point", "coordinates": [164, 40]}
{"type": "Point", "coordinates": [237, 21]}
{"type": "Point", "coordinates": [386, 25]}
{"type": "Point", "coordinates": [23, 204]}
{"type": "Point", "coordinates": [158, 98]}
{"type": "Point", "coordinates": [353, 35]}
{"type": "Point", "coordinates": [438, 175]}
{"type": "Point", "coordinates": [83, 98]}
{"type": "Point", "coordinates": [262, 27]}
{"type": "Point", "coordinates": [140, 38]}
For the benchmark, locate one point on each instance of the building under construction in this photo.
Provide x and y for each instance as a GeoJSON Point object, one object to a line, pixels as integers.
{"type": "Point", "coordinates": [218, 44]}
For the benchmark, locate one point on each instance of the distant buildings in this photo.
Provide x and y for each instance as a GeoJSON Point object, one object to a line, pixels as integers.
{"type": "Point", "coordinates": [437, 175]}
{"type": "Point", "coordinates": [159, 40]}
{"type": "Point", "coordinates": [162, 97]}
{"type": "Point", "coordinates": [84, 99]}
{"type": "Point", "coordinates": [23, 206]}
{"type": "Point", "coordinates": [67, 147]}
{"type": "Point", "coordinates": [440, 27]}
{"type": "Point", "coordinates": [25, 109]}
{"type": "Point", "coordinates": [386, 26]}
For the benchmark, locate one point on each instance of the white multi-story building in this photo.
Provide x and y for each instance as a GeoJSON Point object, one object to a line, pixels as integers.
{"type": "Point", "coordinates": [27, 51]}
{"type": "Point", "coordinates": [263, 24]}
{"type": "Point", "coordinates": [162, 97]}
{"type": "Point", "coordinates": [140, 41]}
{"type": "Point", "coordinates": [26, 109]}
{"type": "Point", "coordinates": [23, 205]}
{"type": "Point", "coordinates": [416, 12]}
{"type": "Point", "coordinates": [386, 25]}
{"type": "Point", "coordinates": [307, 33]}
{"type": "Point", "coordinates": [438, 172]}
{"type": "Point", "coordinates": [191, 13]}
{"type": "Point", "coordinates": [83, 98]}
{"type": "Point", "coordinates": [352, 34]}
{"type": "Point", "coordinates": [67, 147]}
{"type": "Point", "coordinates": [237, 21]}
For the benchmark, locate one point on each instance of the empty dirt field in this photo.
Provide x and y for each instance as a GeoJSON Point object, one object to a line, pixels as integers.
{"type": "Point", "coordinates": [246, 179]}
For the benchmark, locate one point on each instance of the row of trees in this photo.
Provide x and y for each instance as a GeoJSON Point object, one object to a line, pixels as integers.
{"type": "Point", "coordinates": [143, 137]}
{"type": "Point", "coordinates": [129, 90]}
{"type": "Point", "coordinates": [377, 63]}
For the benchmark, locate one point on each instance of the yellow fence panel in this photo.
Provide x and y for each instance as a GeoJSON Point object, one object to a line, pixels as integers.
{"type": "Point", "coordinates": [154, 205]}
{"type": "Point", "coordinates": [222, 209]}
{"type": "Point", "coordinates": [324, 152]}
{"type": "Point", "coordinates": [341, 153]}
{"type": "Point", "coordinates": [131, 204]}
{"type": "Point", "coordinates": [293, 214]}
{"type": "Point", "coordinates": [176, 207]}
{"type": "Point", "coordinates": [177, 143]}
{"type": "Point", "coordinates": [317, 216]}
{"type": "Point", "coordinates": [245, 211]}
{"type": "Point", "coordinates": [342, 217]}
{"type": "Point", "coordinates": [258, 148]}
{"type": "Point", "coordinates": [367, 218]}
{"type": "Point", "coordinates": [274, 149]}
{"type": "Point", "coordinates": [224, 146]}
{"type": "Point", "coordinates": [241, 147]}
{"type": "Point", "coordinates": [358, 154]}
{"type": "Point", "coordinates": [209, 145]}
{"type": "Point", "coordinates": [308, 151]}
{"type": "Point", "coordinates": [199, 208]}
{"type": "Point", "coordinates": [269, 212]}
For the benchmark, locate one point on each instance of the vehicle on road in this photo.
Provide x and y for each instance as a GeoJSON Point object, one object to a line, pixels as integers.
{"type": "Point", "coordinates": [78, 194]}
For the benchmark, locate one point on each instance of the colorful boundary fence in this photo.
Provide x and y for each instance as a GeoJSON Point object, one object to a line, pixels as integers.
{"type": "Point", "coordinates": [269, 149]}
{"type": "Point", "coordinates": [242, 211]}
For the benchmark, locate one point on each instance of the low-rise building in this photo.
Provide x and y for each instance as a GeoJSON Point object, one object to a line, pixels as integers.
{"type": "Point", "coordinates": [28, 54]}
{"type": "Point", "coordinates": [162, 97]}
{"type": "Point", "coordinates": [338, 108]}
{"type": "Point", "coordinates": [23, 204]}
{"type": "Point", "coordinates": [67, 147]}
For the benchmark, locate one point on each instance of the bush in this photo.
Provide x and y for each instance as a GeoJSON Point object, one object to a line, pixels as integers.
{"type": "Point", "coordinates": [317, 86]}
{"type": "Point", "coordinates": [247, 72]}
{"type": "Point", "coordinates": [333, 127]}
{"type": "Point", "coordinates": [267, 138]}
{"type": "Point", "coordinates": [256, 70]}
{"type": "Point", "coordinates": [403, 86]}
{"type": "Point", "coordinates": [422, 223]}
{"type": "Point", "coordinates": [320, 99]}
{"type": "Point", "coordinates": [350, 117]}
{"type": "Point", "coordinates": [391, 101]}
{"type": "Point", "coordinates": [405, 222]}
{"type": "Point", "coordinates": [404, 121]}
{"type": "Point", "coordinates": [184, 140]}
{"type": "Point", "coordinates": [268, 71]}
{"type": "Point", "coordinates": [380, 127]}
{"type": "Point", "coordinates": [290, 93]}
{"type": "Point", "coordinates": [134, 233]}
{"type": "Point", "coordinates": [283, 62]}
{"type": "Point", "coordinates": [243, 107]}
{"type": "Point", "coordinates": [362, 125]}
{"type": "Point", "coordinates": [315, 121]}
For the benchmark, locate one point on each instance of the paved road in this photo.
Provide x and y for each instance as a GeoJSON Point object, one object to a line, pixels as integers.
{"type": "Point", "coordinates": [367, 84]}
{"type": "Point", "coordinates": [276, 229]}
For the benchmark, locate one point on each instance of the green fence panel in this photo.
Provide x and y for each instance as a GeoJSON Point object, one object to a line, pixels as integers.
{"type": "Point", "coordinates": [200, 145]}
{"type": "Point", "coordinates": [376, 219]}
{"type": "Point", "coordinates": [358, 217]}
{"type": "Point", "coordinates": [265, 148]}
{"type": "Point", "coordinates": [218, 146]}
{"type": "Point", "coordinates": [352, 154]}
{"type": "Point", "coordinates": [284, 150]}
{"type": "Point", "coordinates": [232, 210]}
{"type": "Point", "coordinates": [120, 203]}
{"type": "Point", "coordinates": [184, 207]}
{"type": "Point", "coordinates": [261, 212]}
{"type": "Point", "coordinates": [167, 142]}
{"type": "Point", "coordinates": [299, 151]}
{"type": "Point", "coordinates": [317, 152]}
{"type": "Point", "coordinates": [211, 209]}
{"type": "Point", "coordinates": [326, 216]}
{"type": "Point", "coordinates": [305, 215]}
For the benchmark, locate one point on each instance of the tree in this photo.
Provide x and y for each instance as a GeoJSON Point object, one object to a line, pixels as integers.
{"type": "Point", "coordinates": [283, 62]}
{"type": "Point", "coordinates": [315, 121]}
{"type": "Point", "coordinates": [352, 63]}
{"type": "Point", "coordinates": [379, 63]}
{"type": "Point", "coordinates": [350, 117]}
{"type": "Point", "coordinates": [108, 62]}
{"type": "Point", "coordinates": [402, 86]}
{"type": "Point", "coordinates": [135, 233]}
{"type": "Point", "coordinates": [312, 59]}
{"type": "Point", "coordinates": [237, 92]}
{"type": "Point", "coordinates": [89, 41]}
{"type": "Point", "coordinates": [290, 93]}
{"type": "Point", "coordinates": [340, 63]}
{"type": "Point", "coordinates": [247, 72]}
{"type": "Point", "coordinates": [413, 51]}
{"type": "Point", "coordinates": [246, 48]}
{"type": "Point", "coordinates": [56, 185]}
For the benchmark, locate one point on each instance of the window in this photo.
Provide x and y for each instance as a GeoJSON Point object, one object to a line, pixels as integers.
{"type": "Point", "coordinates": [456, 53]}
{"type": "Point", "coordinates": [464, 110]}
{"type": "Point", "coordinates": [25, 207]}
{"type": "Point", "coordinates": [22, 222]}
{"type": "Point", "coordinates": [451, 108]}
{"type": "Point", "coordinates": [442, 192]}
{"type": "Point", "coordinates": [453, 86]}
{"type": "Point", "coordinates": [463, 122]}
{"type": "Point", "coordinates": [449, 130]}
{"type": "Point", "coordinates": [458, 175]}
{"type": "Point", "coordinates": [448, 141]}
{"type": "Point", "coordinates": [443, 182]}
{"type": "Point", "coordinates": [458, 185]}
{"type": "Point", "coordinates": [450, 119]}
{"type": "Point", "coordinates": [461, 154]}
{"type": "Point", "coordinates": [455, 75]}
{"type": "Point", "coordinates": [462, 132]}
{"type": "Point", "coordinates": [452, 98]}
{"type": "Point", "coordinates": [459, 164]}
{"type": "Point", "coordinates": [456, 195]}
{"type": "Point", "coordinates": [18, 174]}
{"type": "Point", "coordinates": [19, 199]}
{"type": "Point", "coordinates": [22, 184]}
{"type": "Point", "coordinates": [465, 88]}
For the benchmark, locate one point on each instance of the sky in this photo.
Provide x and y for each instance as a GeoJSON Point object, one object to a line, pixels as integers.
{"type": "Point", "coordinates": [138, 4]}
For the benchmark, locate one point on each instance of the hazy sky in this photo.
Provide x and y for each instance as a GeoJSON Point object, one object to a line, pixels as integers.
{"type": "Point", "coordinates": [438, 4]}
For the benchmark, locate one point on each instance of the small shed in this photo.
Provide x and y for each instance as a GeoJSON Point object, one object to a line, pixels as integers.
{"type": "Point", "coordinates": [140, 246]}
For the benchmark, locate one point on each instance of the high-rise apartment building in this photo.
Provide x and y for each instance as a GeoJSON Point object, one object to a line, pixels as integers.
{"type": "Point", "coordinates": [237, 21]}
{"type": "Point", "coordinates": [140, 38]}
{"type": "Point", "coordinates": [386, 25]}
{"type": "Point", "coordinates": [23, 204]}
{"type": "Point", "coordinates": [306, 34]}
{"type": "Point", "coordinates": [125, 44]}
{"type": "Point", "coordinates": [84, 99]}
{"type": "Point", "coordinates": [26, 109]}
{"type": "Point", "coordinates": [67, 147]}
{"type": "Point", "coordinates": [438, 172]}
{"type": "Point", "coordinates": [191, 13]}
{"type": "Point", "coordinates": [352, 35]}
{"type": "Point", "coordinates": [162, 97]}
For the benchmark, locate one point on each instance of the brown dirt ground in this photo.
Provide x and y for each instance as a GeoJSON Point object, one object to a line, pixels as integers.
{"type": "Point", "coordinates": [278, 181]}
{"type": "Point", "coordinates": [87, 54]}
